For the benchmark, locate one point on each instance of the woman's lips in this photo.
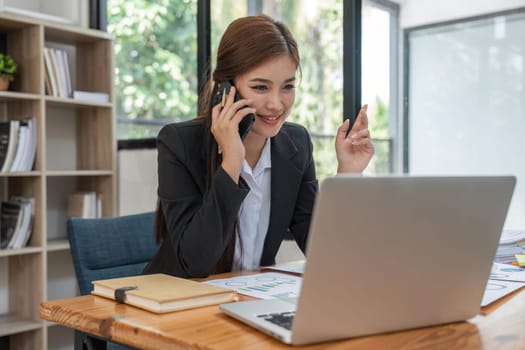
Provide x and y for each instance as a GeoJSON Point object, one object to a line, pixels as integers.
{"type": "Point", "coordinates": [271, 120]}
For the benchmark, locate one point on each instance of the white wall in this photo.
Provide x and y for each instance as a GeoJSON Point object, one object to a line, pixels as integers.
{"type": "Point", "coordinates": [419, 12]}
{"type": "Point", "coordinates": [137, 181]}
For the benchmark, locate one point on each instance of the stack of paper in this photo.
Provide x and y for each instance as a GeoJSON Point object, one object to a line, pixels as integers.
{"type": "Point", "coordinates": [512, 242]}
{"type": "Point", "coordinates": [292, 266]}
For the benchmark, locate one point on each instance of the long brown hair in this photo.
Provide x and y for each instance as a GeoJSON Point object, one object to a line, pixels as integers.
{"type": "Point", "coordinates": [246, 43]}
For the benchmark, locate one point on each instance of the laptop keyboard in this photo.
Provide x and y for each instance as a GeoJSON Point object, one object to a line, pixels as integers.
{"type": "Point", "coordinates": [282, 319]}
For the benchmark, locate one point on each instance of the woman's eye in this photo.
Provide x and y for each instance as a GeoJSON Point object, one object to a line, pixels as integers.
{"type": "Point", "coordinates": [259, 88]}
{"type": "Point", "coordinates": [289, 87]}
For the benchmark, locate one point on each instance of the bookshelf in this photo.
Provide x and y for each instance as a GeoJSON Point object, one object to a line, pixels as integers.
{"type": "Point", "coordinates": [76, 151]}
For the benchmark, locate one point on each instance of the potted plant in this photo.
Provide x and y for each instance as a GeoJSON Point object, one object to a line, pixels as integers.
{"type": "Point", "coordinates": [7, 70]}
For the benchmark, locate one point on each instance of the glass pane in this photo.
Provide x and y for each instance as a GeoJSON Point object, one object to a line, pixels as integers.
{"type": "Point", "coordinates": [156, 63]}
{"type": "Point", "coordinates": [467, 101]}
{"type": "Point", "coordinates": [376, 64]}
{"type": "Point", "coordinates": [317, 27]}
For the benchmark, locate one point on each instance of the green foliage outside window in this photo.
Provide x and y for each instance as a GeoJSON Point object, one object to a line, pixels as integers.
{"type": "Point", "coordinates": [156, 68]}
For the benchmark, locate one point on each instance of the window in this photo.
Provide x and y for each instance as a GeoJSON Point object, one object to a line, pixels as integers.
{"type": "Point", "coordinates": [466, 95]}
{"type": "Point", "coordinates": [156, 68]}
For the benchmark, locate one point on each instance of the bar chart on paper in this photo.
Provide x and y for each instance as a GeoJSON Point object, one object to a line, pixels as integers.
{"type": "Point", "coordinates": [270, 285]}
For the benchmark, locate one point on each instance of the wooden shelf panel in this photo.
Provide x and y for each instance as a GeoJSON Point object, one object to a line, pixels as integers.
{"type": "Point", "coordinates": [21, 174]}
{"type": "Point", "coordinates": [13, 22]}
{"type": "Point", "coordinates": [79, 173]}
{"type": "Point", "coordinates": [12, 324]}
{"type": "Point", "coordinates": [6, 96]}
{"type": "Point", "coordinates": [74, 36]}
{"type": "Point", "coordinates": [21, 251]}
{"type": "Point", "coordinates": [55, 245]}
{"type": "Point", "coordinates": [71, 102]}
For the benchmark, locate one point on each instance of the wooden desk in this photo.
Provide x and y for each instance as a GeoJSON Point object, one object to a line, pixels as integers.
{"type": "Point", "coordinates": [501, 326]}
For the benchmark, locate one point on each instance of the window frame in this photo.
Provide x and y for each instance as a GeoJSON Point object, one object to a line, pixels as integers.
{"type": "Point", "coordinates": [394, 126]}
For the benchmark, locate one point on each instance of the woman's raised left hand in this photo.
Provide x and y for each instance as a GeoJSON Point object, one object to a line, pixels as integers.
{"type": "Point", "coordinates": [355, 150]}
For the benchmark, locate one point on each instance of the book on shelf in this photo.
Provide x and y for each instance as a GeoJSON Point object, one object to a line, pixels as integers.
{"type": "Point", "coordinates": [100, 97]}
{"type": "Point", "coordinates": [84, 204]}
{"type": "Point", "coordinates": [16, 222]}
{"type": "Point", "coordinates": [50, 73]}
{"type": "Point", "coordinates": [47, 82]}
{"type": "Point", "coordinates": [4, 140]}
{"type": "Point", "coordinates": [17, 145]}
{"type": "Point", "coordinates": [67, 75]}
{"type": "Point", "coordinates": [9, 220]}
{"type": "Point", "coordinates": [60, 58]}
{"type": "Point", "coordinates": [21, 147]}
{"type": "Point", "coordinates": [28, 159]}
{"type": "Point", "coordinates": [12, 143]}
{"type": "Point", "coordinates": [23, 232]}
{"type": "Point", "coordinates": [162, 293]}
{"type": "Point", "coordinates": [58, 77]}
{"type": "Point", "coordinates": [58, 71]}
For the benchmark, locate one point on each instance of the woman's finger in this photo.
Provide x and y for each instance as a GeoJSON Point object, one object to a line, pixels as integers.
{"type": "Point", "coordinates": [241, 113]}
{"type": "Point", "coordinates": [362, 119]}
{"type": "Point", "coordinates": [227, 101]}
{"type": "Point", "coordinates": [363, 133]}
{"type": "Point", "coordinates": [342, 131]}
{"type": "Point", "coordinates": [361, 137]}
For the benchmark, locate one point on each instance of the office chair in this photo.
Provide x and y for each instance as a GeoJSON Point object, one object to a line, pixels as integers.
{"type": "Point", "coordinates": [109, 248]}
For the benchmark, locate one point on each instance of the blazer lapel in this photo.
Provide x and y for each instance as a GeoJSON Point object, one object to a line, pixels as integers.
{"type": "Point", "coordinates": [285, 179]}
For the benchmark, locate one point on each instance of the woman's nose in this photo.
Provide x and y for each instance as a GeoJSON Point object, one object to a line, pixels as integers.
{"type": "Point", "coordinates": [274, 103]}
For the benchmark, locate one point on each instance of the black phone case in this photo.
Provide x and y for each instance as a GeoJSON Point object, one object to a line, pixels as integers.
{"type": "Point", "coordinates": [247, 122]}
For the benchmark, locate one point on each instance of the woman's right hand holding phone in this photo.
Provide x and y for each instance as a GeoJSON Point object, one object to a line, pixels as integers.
{"type": "Point", "coordinates": [226, 117]}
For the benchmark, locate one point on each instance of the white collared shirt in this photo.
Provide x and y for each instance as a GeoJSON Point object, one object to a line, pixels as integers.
{"type": "Point", "coordinates": [254, 213]}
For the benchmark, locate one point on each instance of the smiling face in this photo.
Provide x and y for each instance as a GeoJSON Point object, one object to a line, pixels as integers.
{"type": "Point", "coordinates": [271, 88]}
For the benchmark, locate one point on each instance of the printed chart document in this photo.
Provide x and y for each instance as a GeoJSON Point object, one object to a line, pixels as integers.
{"type": "Point", "coordinates": [506, 272]}
{"type": "Point", "coordinates": [267, 285]}
{"type": "Point", "coordinates": [503, 279]}
{"type": "Point", "coordinates": [498, 289]}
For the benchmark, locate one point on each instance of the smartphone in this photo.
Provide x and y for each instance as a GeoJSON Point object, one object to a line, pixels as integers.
{"type": "Point", "coordinates": [247, 122]}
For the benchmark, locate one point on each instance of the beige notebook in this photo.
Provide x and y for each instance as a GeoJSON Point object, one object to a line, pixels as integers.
{"type": "Point", "coordinates": [161, 293]}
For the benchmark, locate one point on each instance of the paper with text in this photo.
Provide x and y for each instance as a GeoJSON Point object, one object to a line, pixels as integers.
{"type": "Point", "coordinates": [268, 285]}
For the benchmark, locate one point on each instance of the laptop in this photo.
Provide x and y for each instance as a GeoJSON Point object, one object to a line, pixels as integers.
{"type": "Point", "coordinates": [387, 254]}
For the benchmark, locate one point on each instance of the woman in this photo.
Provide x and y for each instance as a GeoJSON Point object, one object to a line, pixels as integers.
{"type": "Point", "coordinates": [225, 203]}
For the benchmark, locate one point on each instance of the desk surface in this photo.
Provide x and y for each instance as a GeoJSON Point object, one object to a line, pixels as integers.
{"type": "Point", "coordinates": [500, 326]}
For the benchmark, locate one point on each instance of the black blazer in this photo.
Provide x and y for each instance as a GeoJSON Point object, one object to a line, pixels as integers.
{"type": "Point", "coordinates": [200, 224]}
